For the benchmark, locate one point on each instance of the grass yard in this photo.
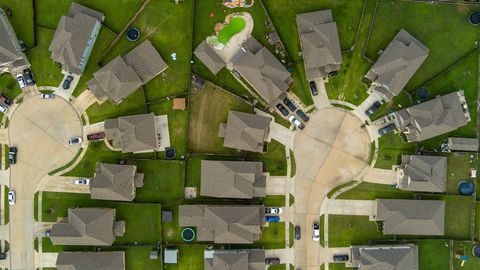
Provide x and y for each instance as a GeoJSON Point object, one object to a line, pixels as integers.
{"type": "Point", "coordinates": [273, 237]}
{"type": "Point", "coordinates": [274, 200]}
{"type": "Point", "coordinates": [169, 27]}
{"type": "Point", "coordinates": [177, 124]}
{"type": "Point", "coordinates": [208, 108]}
{"type": "Point", "coordinates": [274, 161]}
{"type": "Point", "coordinates": [391, 147]}
{"type": "Point", "coordinates": [448, 40]}
{"type": "Point", "coordinates": [9, 86]}
{"type": "Point", "coordinates": [164, 181]}
{"type": "Point", "coordinates": [21, 19]}
{"type": "Point", "coordinates": [337, 266]}
{"type": "Point", "coordinates": [352, 230]}
{"type": "Point", "coordinates": [139, 258]}
{"type": "Point", "coordinates": [132, 105]}
{"type": "Point", "coordinates": [171, 230]}
{"type": "Point", "coordinates": [434, 254]}
{"type": "Point", "coordinates": [370, 191]}
{"type": "Point", "coordinates": [458, 169]}
{"type": "Point", "coordinates": [399, 102]}
{"type": "Point", "coordinates": [142, 223]}
{"type": "Point", "coordinates": [466, 248]}
{"type": "Point", "coordinates": [191, 258]}
{"type": "Point", "coordinates": [477, 221]}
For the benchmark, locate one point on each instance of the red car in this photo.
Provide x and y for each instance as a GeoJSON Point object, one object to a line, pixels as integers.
{"type": "Point", "coordinates": [96, 136]}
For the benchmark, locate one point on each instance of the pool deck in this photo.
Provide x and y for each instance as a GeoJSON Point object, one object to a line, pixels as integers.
{"type": "Point", "coordinates": [236, 41]}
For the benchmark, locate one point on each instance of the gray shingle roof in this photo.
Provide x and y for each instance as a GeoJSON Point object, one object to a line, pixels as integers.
{"type": "Point", "coordinates": [397, 65]}
{"type": "Point", "coordinates": [246, 131]}
{"type": "Point", "coordinates": [463, 144]}
{"type": "Point", "coordinates": [112, 260]}
{"type": "Point", "coordinates": [263, 72]}
{"type": "Point", "coordinates": [249, 259]}
{"type": "Point", "coordinates": [320, 43]}
{"type": "Point", "coordinates": [432, 118]}
{"type": "Point", "coordinates": [411, 217]}
{"type": "Point", "coordinates": [134, 133]}
{"type": "Point", "coordinates": [72, 38]}
{"type": "Point", "coordinates": [123, 75]}
{"type": "Point", "coordinates": [422, 173]}
{"type": "Point", "coordinates": [232, 179]}
{"type": "Point", "coordinates": [225, 224]}
{"type": "Point", "coordinates": [115, 182]}
{"type": "Point", "coordinates": [209, 57]}
{"type": "Point", "coordinates": [395, 257]}
{"type": "Point", "coordinates": [10, 50]}
{"type": "Point", "coordinates": [87, 227]}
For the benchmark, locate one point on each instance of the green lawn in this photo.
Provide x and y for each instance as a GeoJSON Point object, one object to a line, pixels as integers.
{"type": "Point", "coordinates": [9, 86]}
{"type": "Point", "coordinates": [353, 230]}
{"type": "Point", "coordinates": [191, 258]}
{"type": "Point", "coordinates": [466, 248]}
{"type": "Point", "coordinates": [477, 221]}
{"type": "Point", "coordinates": [142, 223]}
{"type": "Point", "coordinates": [399, 102]}
{"type": "Point", "coordinates": [21, 19]}
{"type": "Point", "coordinates": [391, 147]}
{"type": "Point", "coordinates": [171, 230]}
{"type": "Point", "coordinates": [164, 181]}
{"type": "Point", "coordinates": [274, 200]}
{"type": "Point", "coordinates": [273, 237]}
{"type": "Point", "coordinates": [369, 191]}
{"type": "Point", "coordinates": [6, 210]}
{"type": "Point", "coordinates": [274, 160]}
{"type": "Point", "coordinates": [434, 254]}
{"type": "Point", "coordinates": [458, 169]}
{"type": "Point", "coordinates": [293, 166]}
{"type": "Point", "coordinates": [169, 27]}
{"type": "Point", "coordinates": [139, 258]}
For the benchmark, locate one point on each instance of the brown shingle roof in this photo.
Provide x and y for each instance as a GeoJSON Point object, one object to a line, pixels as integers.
{"type": "Point", "coordinates": [463, 144]}
{"type": "Point", "coordinates": [398, 257]}
{"type": "Point", "coordinates": [209, 57]}
{"type": "Point", "coordinates": [249, 259]}
{"type": "Point", "coordinates": [112, 260]}
{"type": "Point", "coordinates": [115, 182]}
{"type": "Point", "coordinates": [422, 173]}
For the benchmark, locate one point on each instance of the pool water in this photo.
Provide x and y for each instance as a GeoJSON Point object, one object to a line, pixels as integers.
{"type": "Point", "coordinates": [466, 188]}
{"type": "Point", "coordinates": [235, 26]}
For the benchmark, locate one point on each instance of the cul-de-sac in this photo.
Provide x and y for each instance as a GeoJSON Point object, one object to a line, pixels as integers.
{"type": "Point", "coordinates": [239, 134]}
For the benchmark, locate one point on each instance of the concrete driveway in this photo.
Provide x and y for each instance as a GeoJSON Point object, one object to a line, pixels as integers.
{"type": "Point", "coordinates": [321, 100]}
{"type": "Point", "coordinates": [352, 207]}
{"type": "Point", "coordinates": [55, 183]}
{"type": "Point", "coordinates": [380, 176]}
{"type": "Point", "coordinates": [285, 255]}
{"type": "Point", "coordinates": [281, 134]}
{"type": "Point", "coordinates": [330, 151]}
{"type": "Point", "coordinates": [40, 130]}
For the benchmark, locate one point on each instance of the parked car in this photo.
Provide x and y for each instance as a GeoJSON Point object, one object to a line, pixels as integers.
{"type": "Point", "coordinates": [289, 104]}
{"type": "Point", "coordinates": [96, 136]}
{"type": "Point", "coordinates": [82, 181]}
{"type": "Point", "coordinates": [313, 88]}
{"type": "Point", "coordinates": [376, 105]}
{"type": "Point", "coordinates": [21, 81]}
{"type": "Point", "coordinates": [340, 258]}
{"type": "Point", "coordinates": [28, 76]}
{"type": "Point", "coordinates": [273, 210]}
{"type": "Point", "coordinates": [316, 232]}
{"type": "Point", "coordinates": [46, 234]}
{"type": "Point", "coordinates": [5, 99]}
{"type": "Point", "coordinates": [48, 95]}
{"type": "Point", "coordinates": [297, 233]}
{"type": "Point", "coordinates": [75, 140]}
{"type": "Point", "coordinates": [270, 261]}
{"type": "Point", "coordinates": [3, 256]}
{"type": "Point", "coordinates": [11, 197]}
{"type": "Point", "coordinates": [386, 129]}
{"type": "Point", "coordinates": [3, 108]}
{"type": "Point", "coordinates": [66, 83]}
{"type": "Point", "coordinates": [282, 109]}
{"type": "Point", "coordinates": [272, 218]}
{"type": "Point", "coordinates": [302, 115]}
{"type": "Point", "coordinates": [296, 122]}
{"type": "Point", "coordinates": [12, 155]}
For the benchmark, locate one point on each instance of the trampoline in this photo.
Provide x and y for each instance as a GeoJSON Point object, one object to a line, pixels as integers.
{"type": "Point", "coordinates": [474, 18]}
{"type": "Point", "coordinates": [476, 251]}
{"type": "Point", "coordinates": [133, 34]}
{"type": "Point", "coordinates": [466, 188]}
{"type": "Point", "coordinates": [170, 153]}
{"type": "Point", "coordinates": [188, 234]}
{"type": "Point", "coordinates": [422, 93]}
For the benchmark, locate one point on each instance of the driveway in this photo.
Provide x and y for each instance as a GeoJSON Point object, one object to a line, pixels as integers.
{"type": "Point", "coordinates": [276, 185]}
{"type": "Point", "coordinates": [281, 134]}
{"type": "Point", "coordinates": [352, 207]}
{"type": "Point", "coordinates": [331, 150]}
{"type": "Point", "coordinates": [39, 129]}
{"type": "Point", "coordinates": [55, 183]}
{"type": "Point", "coordinates": [380, 176]}
{"type": "Point", "coordinates": [285, 255]}
{"type": "Point", "coordinates": [321, 100]}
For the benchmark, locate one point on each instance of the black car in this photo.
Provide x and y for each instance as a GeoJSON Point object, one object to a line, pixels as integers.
{"type": "Point", "coordinates": [302, 115]}
{"type": "Point", "coordinates": [373, 108]}
{"type": "Point", "coordinates": [297, 233]}
{"type": "Point", "coordinates": [5, 99]}
{"type": "Point", "coordinates": [28, 76]}
{"type": "Point", "coordinates": [386, 129]}
{"type": "Point", "coordinates": [66, 83]}
{"type": "Point", "coordinates": [290, 104]}
{"type": "Point", "coordinates": [270, 261]}
{"type": "Point", "coordinates": [313, 88]}
{"type": "Point", "coordinates": [282, 109]}
{"type": "Point", "coordinates": [12, 155]}
{"type": "Point", "coordinates": [3, 256]}
{"type": "Point", "coordinates": [340, 258]}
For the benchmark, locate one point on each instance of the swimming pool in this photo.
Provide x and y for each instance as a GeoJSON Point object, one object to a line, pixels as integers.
{"type": "Point", "coordinates": [234, 27]}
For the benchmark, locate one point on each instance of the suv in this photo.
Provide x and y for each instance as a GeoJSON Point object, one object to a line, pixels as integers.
{"type": "Point", "coordinates": [313, 88]}
{"type": "Point", "coordinates": [340, 258]}
{"type": "Point", "coordinates": [273, 210]}
{"type": "Point", "coordinates": [315, 232]}
{"type": "Point", "coordinates": [373, 108]}
{"type": "Point", "coordinates": [296, 122]}
{"type": "Point", "coordinates": [270, 261]}
{"type": "Point", "coordinates": [5, 99]}
{"type": "Point", "coordinates": [21, 81]}
{"type": "Point", "coordinates": [3, 108]}
{"type": "Point", "coordinates": [302, 115]}
{"type": "Point", "coordinates": [66, 83]}
{"type": "Point", "coordinates": [11, 197]}
{"type": "Point", "coordinates": [386, 129]}
{"type": "Point", "coordinates": [28, 75]}
{"type": "Point", "coordinates": [297, 233]}
{"type": "Point", "coordinates": [82, 181]}
{"type": "Point", "coordinates": [48, 95]}
{"type": "Point", "coordinates": [282, 109]}
{"type": "Point", "coordinates": [290, 104]}
{"type": "Point", "coordinates": [12, 155]}
{"type": "Point", "coordinates": [75, 140]}
{"type": "Point", "coordinates": [96, 136]}
{"type": "Point", "coordinates": [272, 219]}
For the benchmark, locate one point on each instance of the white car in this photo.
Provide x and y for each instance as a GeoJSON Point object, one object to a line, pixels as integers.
{"type": "Point", "coordinates": [11, 197]}
{"type": "Point", "coordinates": [75, 140]}
{"type": "Point", "coordinates": [48, 96]}
{"type": "Point", "coordinates": [21, 81]}
{"type": "Point", "coordinates": [316, 232]}
{"type": "Point", "coordinates": [82, 181]}
{"type": "Point", "coordinates": [273, 210]}
{"type": "Point", "coordinates": [295, 121]}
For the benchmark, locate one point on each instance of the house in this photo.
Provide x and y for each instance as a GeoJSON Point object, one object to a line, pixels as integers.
{"type": "Point", "coordinates": [12, 59]}
{"type": "Point", "coordinates": [463, 144]}
{"type": "Point", "coordinates": [245, 259]}
{"type": "Point", "coordinates": [320, 44]}
{"type": "Point", "coordinates": [223, 224]}
{"type": "Point", "coordinates": [111, 260]}
{"type": "Point", "coordinates": [257, 65]}
{"type": "Point", "coordinates": [87, 227]}
{"type": "Point", "coordinates": [133, 133]}
{"type": "Point", "coordinates": [75, 37]}
{"type": "Point", "coordinates": [398, 257]}
{"type": "Point", "coordinates": [245, 131]}
{"type": "Point", "coordinates": [115, 182]}
{"type": "Point", "coordinates": [422, 173]}
{"type": "Point", "coordinates": [124, 74]}
{"type": "Point", "coordinates": [207, 55]}
{"type": "Point", "coordinates": [397, 65]}
{"type": "Point", "coordinates": [411, 217]}
{"type": "Point", "coordinates": [232, 179]}
{"type": "Point", "coordinates": [433, 118]}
